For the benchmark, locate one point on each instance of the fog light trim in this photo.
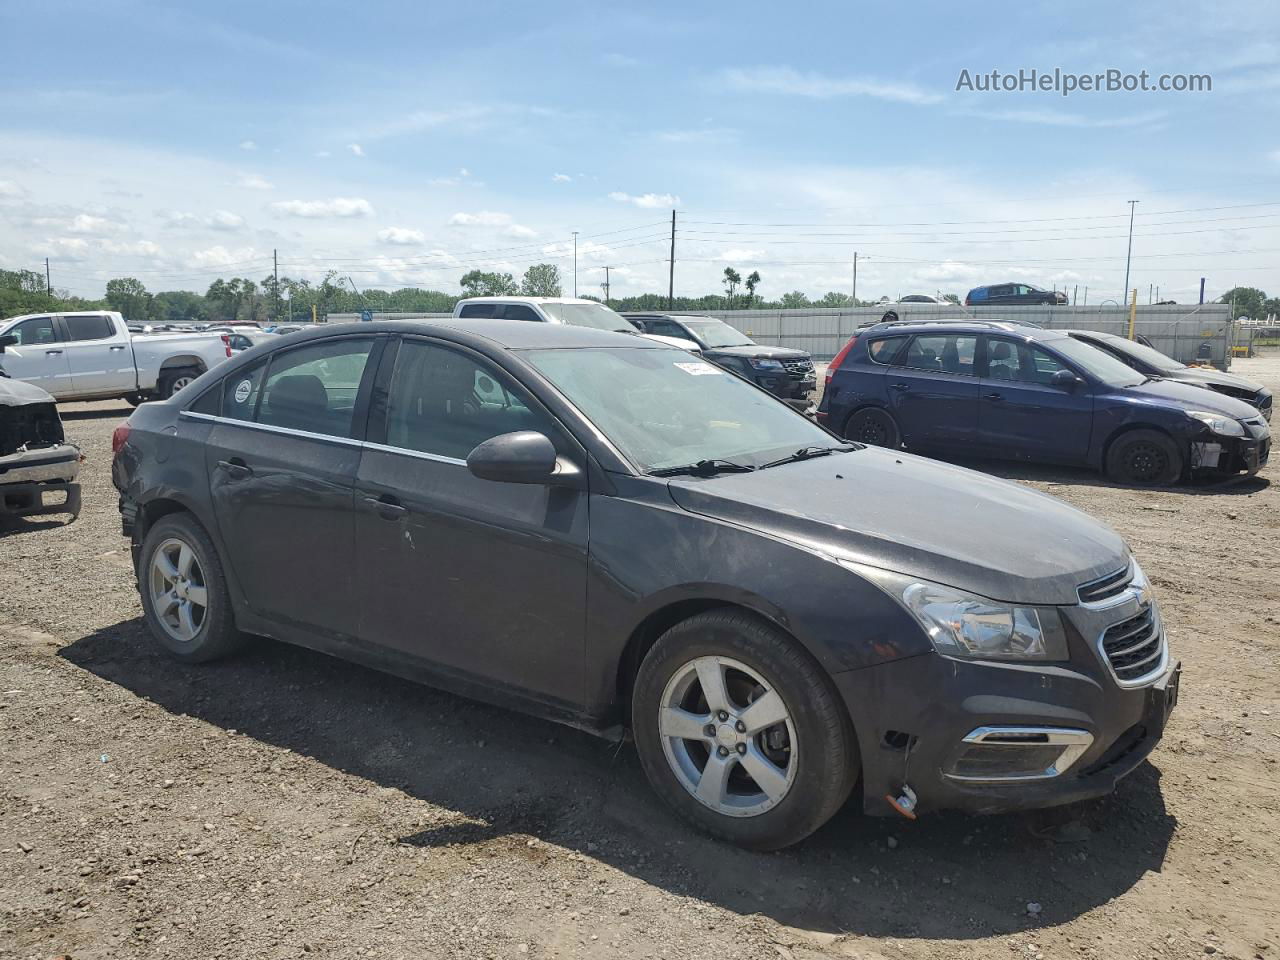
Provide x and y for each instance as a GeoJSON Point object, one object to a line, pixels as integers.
{"type": "Point", "coordinates": [1072, 743]}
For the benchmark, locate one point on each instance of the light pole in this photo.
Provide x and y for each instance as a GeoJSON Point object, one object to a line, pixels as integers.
{"type": "Point", "coordinates": [1129, 255]}
{"type": "Point", "coordinates": [575, 264]}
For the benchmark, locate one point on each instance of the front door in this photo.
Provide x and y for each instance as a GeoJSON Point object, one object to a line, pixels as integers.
{"type": "Point", "coordinates": [481, 578]}
{"type": "Point", "coordinates": [282, 461]}
{"type": "Point", "coordinates": [100, 361]}
{"type": "Point", "coordinates": [933, 390]}
{"type": "Point", "coordinates": [39, 356]}
{"type": "Point", "coordinates": [1022, 414]}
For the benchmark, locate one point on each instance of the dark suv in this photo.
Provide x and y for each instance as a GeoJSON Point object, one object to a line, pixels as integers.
{"type": "Point", "coordinates": [1013, 294]}
{"type": "Point", "coordinates": [784, 372]}
{"type": "Point", "coordinates": [1008, 390]}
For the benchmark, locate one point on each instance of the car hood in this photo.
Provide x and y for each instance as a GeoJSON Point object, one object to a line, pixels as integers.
{"type": "Point", "coordinates": [919, 517]}
{"type": "Point", "coordinates": [1188, 397]}
{"type": "Point", "coordinates": [1210, 377]}
{"type": "Point", "coordinates": [19, 393]}
{"type": "Point", "coordinates": [759, 350]}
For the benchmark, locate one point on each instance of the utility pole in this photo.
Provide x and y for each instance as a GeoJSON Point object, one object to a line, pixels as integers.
{"type": "Point", "coordinates": [1086, 297]}
{"type": "Point", "coordinates": [1075, 294]}
{"type": "Point", "coordinates": [1129, 255]}
{"type": "Point", "coordinates": [606, 286]}
{"type": "Point", "coordinates": [1157, 294]}
{"type": "Point", "coordinates": [575, 263]}
{"type": "Point", "coordinates": [671, 274]}
{"type": "Point", "coordinates": [853, 300]}
{"type": "Point", "coordinates": [1151, 293]}
{"type": "Point", "coordinates": [1202, 289]}
{"type": "Point", "coordinates": [48, 286]}
{"type": "Point", "coordinates": [275, 269]}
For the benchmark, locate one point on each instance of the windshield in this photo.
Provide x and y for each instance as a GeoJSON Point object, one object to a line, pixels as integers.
{"type": "Point", "coordinates": [1146, 355]}
{"type": "Point", "coordinates": [1097, 363]}
{"type": "Point", "coordinates": [663, 408]}
{"type": "Point", "coordinates": [595, 315]}
{"type": "Point", "coordinates": [717, 333]}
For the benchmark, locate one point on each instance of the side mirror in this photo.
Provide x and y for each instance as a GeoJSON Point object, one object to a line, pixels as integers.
{"type": "Point", "coordinates": [8, 340]}
{"type": "Point", "coordinates": [525, 456]}
{"type": "Point", "coordinates": [1065, 378]}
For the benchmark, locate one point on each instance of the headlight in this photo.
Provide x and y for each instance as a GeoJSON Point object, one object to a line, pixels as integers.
{"type": "Point", "coordinates": [965, 625]}
{"type": "Point", "coordinates": [763, 364]}
{"type": "Point", "coordinates": [1221, 425]}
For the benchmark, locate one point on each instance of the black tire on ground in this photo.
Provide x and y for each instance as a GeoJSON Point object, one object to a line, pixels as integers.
{"type": "Point", "coordinates": [217, 635]}
{"type": "Point", "coordinates": [873, 426]}
{"type": "Point", "coordinates": [1144, 457]}
{"type": "Point", "coordinates": [171, 381]}
{"type": "Point", "coordinates": [825, 749]}
{"type": "Point", "coordinates": [133, 399]}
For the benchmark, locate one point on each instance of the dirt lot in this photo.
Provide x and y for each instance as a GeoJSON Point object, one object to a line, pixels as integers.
{"type": "Point", "coordinates": [285, 804]}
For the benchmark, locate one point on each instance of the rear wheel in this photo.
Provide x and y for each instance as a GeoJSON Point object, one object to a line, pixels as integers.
{"type": "Point", "coordinates": [873, 426]}
{"type": "Point", "coordinates": [184, 592]}
{"type": "Point", "coordinates": [171, 381]}
{"type": "Point", "coordinates": [1144, 457]}
{"type": "Point", "coordinates": [741, 732]}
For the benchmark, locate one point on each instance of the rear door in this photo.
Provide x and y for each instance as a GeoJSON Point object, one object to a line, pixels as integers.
{"type": "Point", "coordinates": [481, 578]}
{"type": "Point", "coordinates": [932, 390]}
{"type": "Point", "coordinates": [1022, 414]}
{"type": "Point", "coordinates": [100, 359]}
{"type": "Point", "coordinates": [282, 460]}
{"type": "Point", "coordinates": [39, 356]}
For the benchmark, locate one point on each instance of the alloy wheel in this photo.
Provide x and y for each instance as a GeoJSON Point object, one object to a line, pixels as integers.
{"type": "Point", "coordinates": [179, 595]}
{"type": "Point", "coordinates": [728, 736]}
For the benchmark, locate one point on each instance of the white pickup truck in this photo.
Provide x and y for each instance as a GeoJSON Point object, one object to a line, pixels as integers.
{"type": "Point", "coordinates": [90, 355]}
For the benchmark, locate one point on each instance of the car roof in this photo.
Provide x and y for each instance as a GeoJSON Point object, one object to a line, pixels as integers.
{"type": "Point", "coordinates": [670, 316]}
{"type": "Point", "coordinates": [965, 326]}
{"type": "Point", "coordinates": [519, 299]}
{"type": "Point", "coordinates": [507, 334]}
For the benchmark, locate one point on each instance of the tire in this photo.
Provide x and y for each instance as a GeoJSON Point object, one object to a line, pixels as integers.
{"type": "Point", "coordinates": [809, 757]}
{"type": "Point", "coordinates": [875, 427]}
{"type": "Point", "coordinates": [171, 381]}
{"type": "Point", "coordinates": [1144, 458]}
{"type": "Point", "coordinates": [889, 317]}
{"type": "Point", "coordinates": [179, 544]}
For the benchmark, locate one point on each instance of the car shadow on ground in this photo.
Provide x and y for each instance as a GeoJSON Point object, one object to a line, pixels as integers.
{"type": "Point", "coordinates": [12, 526]}
{"type": "Point", "coordinates": [1234, 486]}
{"type": "Point", "coordinates": [95, 413]}
{"type": "Point", "coordinates": [509, 777]}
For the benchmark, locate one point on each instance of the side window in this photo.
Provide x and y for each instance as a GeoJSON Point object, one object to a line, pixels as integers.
{"type": "Point", "coordinates": [1002, 359]}
{"type": "Point", "coordinates": [89, 328]}
{"type": "Point", "coordinates": [313, 388]}
{"type": "Point", "coordinates": [443, 402]}
{"type": "Point", "coordinates": [1004, 291]}
{"type": "Point", "coordinates": [1023, 290]}
{"type": "Point", "coordinates": [520, 311]}
{"type": "Point", "coordinates": [473, 310]}
{"type": "Point", "coordinates": [942, 353]}
{"type": "Point", "coordinates": [36, 331]}
{"type": "Point", "coordinates": [884, 350]}
{"type": "Point", "coordinates": [240, 392]}
{"type": "Point", "coordinates": [665, 328]}
{"type": "Point", "coordinates": [1037, 366]}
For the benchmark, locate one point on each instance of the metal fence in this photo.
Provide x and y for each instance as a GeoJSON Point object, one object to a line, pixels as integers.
{"type": "Point", "coordinates": [1186, 333]}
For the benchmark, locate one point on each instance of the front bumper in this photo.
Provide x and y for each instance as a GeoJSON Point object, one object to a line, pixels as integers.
{"type": "Point", "coordinates": [1247, 454]}
{"type": "Point", "coordinates": [785, 388]}
{"type": "Point", "coordinates": [914, 715]}
{"type": "Point", "coordinates": [29, 480]}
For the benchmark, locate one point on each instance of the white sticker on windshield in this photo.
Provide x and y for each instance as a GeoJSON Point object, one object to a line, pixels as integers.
{"type": "Point", "coordinates": [243, 389]}
{"type": "Point", "coordinates": [698, 368]}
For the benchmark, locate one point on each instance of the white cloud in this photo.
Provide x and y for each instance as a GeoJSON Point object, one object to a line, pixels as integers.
{"type": "Point", "coordinates": [220, 256]}
{"type": "Point", "coordinates": [401, 236]}
{"type": "Point", "coordinates": [1056, 118]}
{"type": "Point", "coordinates": [251, 181]}
{"type": "Point", "coordinates": [464, 172]}
{"type": "Point", "coordinates": [700, 135]}
{"type": "Point", "coordinates": [485, 218]}
{"type": "Point", "coordinates": [1273, 156]}
{"type": "Point", "coordinates": [646, 200]}
{"type": "Point", "coordinates": [248, 145]}
{"type": "Point", "coordinates": [314, 209]}
{"type": "Point", "coordinates": [218, 220]}
{"type": "Point", "coordinates": [788, 81]}
{"type": "Point", "coordinates": [521, 232]}
{"type": "Point", "coordinates": [10, 189]}
{"type": "Point", "coordinates": [738, 253]}
{"type": "Point", "coordinates": [86, 223]}
{"type": "Point", "coordinates": [356, 149]}
{"type": "Point", "coordinates": [560, 178]}
{"type": "Point", "coordinates": [619, 60]}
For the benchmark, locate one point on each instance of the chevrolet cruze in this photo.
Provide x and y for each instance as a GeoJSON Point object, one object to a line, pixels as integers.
{"type": "Point", "coordinates": [618, 535]}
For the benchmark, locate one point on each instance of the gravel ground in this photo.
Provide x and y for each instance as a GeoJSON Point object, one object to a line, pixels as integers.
{"type": "Point", "coordinates": [285, 804]}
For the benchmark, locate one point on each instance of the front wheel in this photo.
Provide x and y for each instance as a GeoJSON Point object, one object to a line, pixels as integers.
{"type": "Point", "coordinates": [741, 732]}
{"type": "Point", "coordinates": [1145, 458]}
{"type": "Point", "coordinates": [875, 427]}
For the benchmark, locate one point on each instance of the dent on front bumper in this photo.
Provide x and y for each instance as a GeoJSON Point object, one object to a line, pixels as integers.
{"type": "Point", "coordinates": [39, 481]}
{"type": "Point", "coordinates": [913, 716]}
{"type": "Point", "coordinates": [1247, 454]}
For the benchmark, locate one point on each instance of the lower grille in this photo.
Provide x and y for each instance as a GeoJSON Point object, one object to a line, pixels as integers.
{"type": "Point", "coordinates": [1134, 647]}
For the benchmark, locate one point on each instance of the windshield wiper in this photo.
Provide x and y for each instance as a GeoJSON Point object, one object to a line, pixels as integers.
{"type": "Point", "coordinates": [808, 453]}
{"type": "Point", "coordinates": [703, 468]}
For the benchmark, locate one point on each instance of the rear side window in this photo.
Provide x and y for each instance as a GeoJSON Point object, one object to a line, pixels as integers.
{"type": "Point", "coordinates": [885, 349]}
{"type": "Point", "coordinates": [476, 310]}
{"type": "Point", "coordinates": [942, 353]}
{"type": "Point", "coordinates": [520, 311]}
{"type": "Point", "coordinates": [240, 392]}
{"type": "Point", "coordinates": [314, 388]}
{"type": "Point", "coordinates": [89, 328]}
{"type": "Point", "coordinates": [36, 331]}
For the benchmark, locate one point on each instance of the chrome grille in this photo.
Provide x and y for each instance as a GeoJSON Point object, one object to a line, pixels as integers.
{"type": "Point", "coordinates": [1134, 646]}
{"type": "Point", "coordinates": [1104, 588]}
{"type": "Point", "coordinates": [799, 369]}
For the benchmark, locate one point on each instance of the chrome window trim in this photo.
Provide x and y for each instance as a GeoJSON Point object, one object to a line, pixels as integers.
{"type": "Point", "coordinates": [271, 428]}
{"type": "Point", "coordinates": [1074, 742]}
{"type": "Point", "coordinates": [416, 454]}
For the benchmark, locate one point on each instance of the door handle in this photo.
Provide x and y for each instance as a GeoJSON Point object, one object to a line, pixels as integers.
{"type": "Point", "coordinates": [388, 507]}
{"type": "Point", "coordinates": [117, 346]}
{"type": "Point", "coordinates": [900, 386]}
{"type": "Point", "coordinates": [52, 353]}
{"type": "Point", "coordinates": [236, 468]}
{"type": "Point", "coordinates": [994, 396]}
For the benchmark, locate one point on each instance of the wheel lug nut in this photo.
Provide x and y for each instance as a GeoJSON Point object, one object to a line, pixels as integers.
{"type": "Point", "coordinates": [723, 751]}
{"type": "Point", "coordinates": [740, 727]}
{"type": "Point", "coordinates": [742, 748]}
{"type": "Point", "coordinates": [722, 716]}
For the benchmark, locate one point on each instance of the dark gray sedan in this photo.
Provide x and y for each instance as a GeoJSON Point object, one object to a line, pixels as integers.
{"type": "Point", "coordinates": [614, 533]}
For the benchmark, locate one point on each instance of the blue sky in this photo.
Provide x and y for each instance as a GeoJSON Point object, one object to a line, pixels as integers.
{"type": "Point", "coordinates": [404, 143]}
